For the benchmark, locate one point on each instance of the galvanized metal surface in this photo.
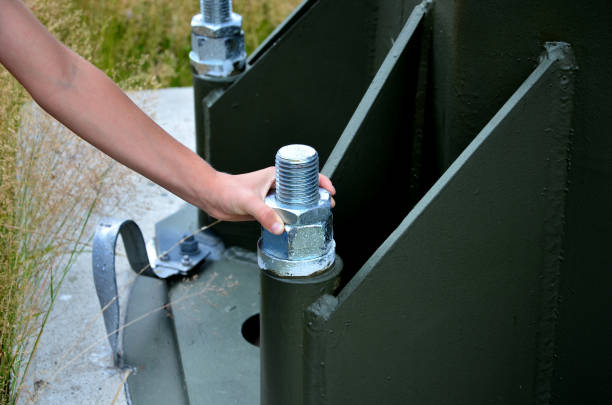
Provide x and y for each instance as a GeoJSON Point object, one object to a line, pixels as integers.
{"type": "Point", "coordinates": [307, 245]}
{"type": "Point", "coordinates": [454, 306]}
{"type": "Point", "coordinates": [297, 176]}
{"type": "Point", "coordinates": [103, 264]}
{"type": "Point", "coordinates": [170, 234]}
{"type": "Point", "coordinates": [166, 258]}
{"type": "Point", "coordinates": [217, 41]}
{"type": "Point", "coordinates": [172, 260]}
{"type": "Point", "coordinates": [216, 11]}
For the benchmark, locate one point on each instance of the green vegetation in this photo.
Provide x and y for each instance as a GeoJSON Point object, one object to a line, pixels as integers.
{"type": "Point", "coordinates": [51, 182]}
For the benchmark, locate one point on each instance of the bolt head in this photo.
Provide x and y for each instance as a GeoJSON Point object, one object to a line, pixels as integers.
{"type": "Point", "coordinates": [186, 261]}
{"type": "Point", "coordinates": [189, 245]}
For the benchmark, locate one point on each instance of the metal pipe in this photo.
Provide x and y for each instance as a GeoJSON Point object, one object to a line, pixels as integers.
{"type": "Point", "coordinates": [283, 302]}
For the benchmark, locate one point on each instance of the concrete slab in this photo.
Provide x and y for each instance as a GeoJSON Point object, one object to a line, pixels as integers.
{"type": "Point", "coordinates": [73, 363]}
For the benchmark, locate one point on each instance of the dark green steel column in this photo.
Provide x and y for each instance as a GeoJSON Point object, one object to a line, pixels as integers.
{"type": "Point", "coordinates": [205, 92]}
{"type": "Point", "coordinates": [283, 303]}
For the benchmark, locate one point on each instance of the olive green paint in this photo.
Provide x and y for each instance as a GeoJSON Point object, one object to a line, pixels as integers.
{"type": "Point", "coordinates": [150, 347]}
{"type": "Point", "coordinates": [283, 305]}
{"type": "Point", "coordinates": [184, 338]}
{"type": "Point", "coordinates": [489, 282]}
{"type": "Point", "coordinates": [373, 155]}
{"type": "Point", "coordinates": [301, 86]}
{"type": "Point", "coordinates": [208, 312]}
{"type": "Point", "coordinates": [455, 306]}
{"type": "Point", "coordinates": [193, 351]}
{"type": "Point", "coordinates": [205, 92]}
{"type": "Point", "coordinates": [483, 50]}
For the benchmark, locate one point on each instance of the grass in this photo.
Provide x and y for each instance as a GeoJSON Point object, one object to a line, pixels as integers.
{"type": "Point", "coordinates": [51, 183]}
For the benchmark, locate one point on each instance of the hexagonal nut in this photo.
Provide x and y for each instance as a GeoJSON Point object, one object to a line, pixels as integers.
{"type": "Point", "coordinates": [308, 230]}
{"type": "Point", "coordinates": [230, 28]}
{"type": "Point", "coordinates": [302, 215]}
{"type": "Point", "coordinates": [218, 49]}
{"type": "Point", "coordinates": [309, 241]}
{"type": "Point", "coordinates": [300, 242]}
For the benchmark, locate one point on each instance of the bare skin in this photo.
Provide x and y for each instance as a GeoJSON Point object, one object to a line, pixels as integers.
{"type": "Point", "coordinates": [84, 99]}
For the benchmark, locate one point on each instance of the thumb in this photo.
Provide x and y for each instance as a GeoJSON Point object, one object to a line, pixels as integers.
{"type": "Point", "coordinates": [266, 216]}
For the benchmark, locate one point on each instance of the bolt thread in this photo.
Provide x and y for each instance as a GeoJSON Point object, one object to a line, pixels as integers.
{"type": "Point", "coordinates": [297, 175]}
{"type": "Point", "coordinates": [216, 11]}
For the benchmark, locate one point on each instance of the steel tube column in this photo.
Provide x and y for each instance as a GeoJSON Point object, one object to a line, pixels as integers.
{"type": "Point", "coordinates": [205, 90]}
{"type": "Point", "coordinates": [283, 304]}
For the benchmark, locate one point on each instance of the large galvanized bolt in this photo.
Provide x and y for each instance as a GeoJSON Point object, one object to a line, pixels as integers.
{"type": "Point", "coordinates": [216, 11]}
{"type": "Point", "coordinates": [297, 175]}
{"type": "Point", "coordinates": [307, 246]}
{"type": "Point", "coordinates": [217, 41]}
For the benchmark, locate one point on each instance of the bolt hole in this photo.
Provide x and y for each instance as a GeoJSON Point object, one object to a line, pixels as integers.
{"type": "Point", "coordinates": [250, 330]}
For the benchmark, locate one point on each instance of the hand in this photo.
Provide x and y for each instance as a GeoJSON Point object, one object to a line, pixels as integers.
{"type": "Point", "coordinates": [241, 198]}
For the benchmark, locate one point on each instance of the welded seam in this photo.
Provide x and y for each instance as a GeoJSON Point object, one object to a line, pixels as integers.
{"type": "Point", "coordinates": [415, 179]}
{"type": "Point", "coordinates": [554, 222]}
{"type": "Point", "coordinates": [316, 343]}
{"type": "Point", "coordinates": [361, 113]}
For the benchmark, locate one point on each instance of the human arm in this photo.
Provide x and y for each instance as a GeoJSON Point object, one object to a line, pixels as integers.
{"type": "Point", "coordinates": [85, 100]}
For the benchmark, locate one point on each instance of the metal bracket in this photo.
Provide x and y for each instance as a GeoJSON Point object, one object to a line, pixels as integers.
{"type": "Point", "coordinates": [169, 258]}
{"type": "Point", "coordinates": [103, 260]}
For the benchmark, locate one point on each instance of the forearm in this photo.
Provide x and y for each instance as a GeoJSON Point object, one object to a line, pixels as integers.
{"type": "Point", "coordinates": [90, 104]}
{"type": "Point", "coordinates": [96, 109]}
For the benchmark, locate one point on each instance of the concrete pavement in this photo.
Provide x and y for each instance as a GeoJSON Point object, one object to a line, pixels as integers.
{"type": "Point", "coordinates": [73, 362]}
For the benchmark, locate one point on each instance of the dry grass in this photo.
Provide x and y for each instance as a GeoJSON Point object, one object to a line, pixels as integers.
{"type": "Point", "coordinates": [261, 17]}
{"type": "Point", "coordinates": [51, 182]}
{"type": "Point", "coordinates": [61, 181]}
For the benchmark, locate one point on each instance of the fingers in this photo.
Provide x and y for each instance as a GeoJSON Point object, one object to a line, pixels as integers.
{"type": "Point", "coordinates": [252, 202]}
{"type": "Point", "coordinates": [267, 179]}
{"type": "Point", "coordinates": [326, 183]}
{"type": "Point", "coordinates": [266, 216]}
